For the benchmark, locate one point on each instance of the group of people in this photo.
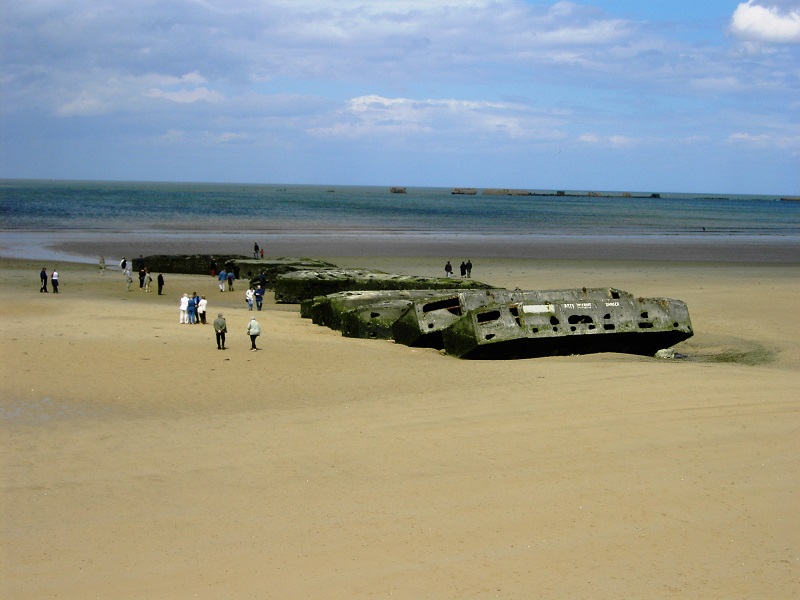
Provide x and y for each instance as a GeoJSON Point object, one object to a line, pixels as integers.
{"type": "Point", "coordinates": [145, 278]}
{"type": "Point", "coordinates": [226, 277]}
{"type": "Point", "coordinates": [192, 310]}
{"type": "Point", "coordinates": [465, 267]}
{"type": "Point", "coordinates": [53, 280]}
{"type": "Point", "coordinates": [257, 252]}
{"type": "Point", "coordinates": [221, 329]}
{"type": "Point", "coordinates": [256, 295]}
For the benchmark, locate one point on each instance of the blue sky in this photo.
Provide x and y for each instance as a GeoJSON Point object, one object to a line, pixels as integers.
{"type": "Point", "coordinates": [627, 95]}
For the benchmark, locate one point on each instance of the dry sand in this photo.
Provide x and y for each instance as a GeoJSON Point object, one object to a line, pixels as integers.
{"type": "Point", "coordinates": [138, 461]}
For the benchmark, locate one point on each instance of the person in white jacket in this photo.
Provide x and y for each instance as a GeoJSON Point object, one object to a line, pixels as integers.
{"type": "Point", "coordinates": [201, 309]}
{"type": "Point", "coordinates": [184, 307]}
{"type": "Point", "coordinates": [253, 330]}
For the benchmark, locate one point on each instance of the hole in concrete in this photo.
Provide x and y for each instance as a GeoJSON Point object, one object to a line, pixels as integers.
{"type": "Point", "coordinates": [645, 315]}
{"type": "Point", "coordinates": [554, 321]}
{"type": "Point", "coordinates": [606, 316]}
{"type": "Point", "coordinates": [489, 336]}
{"type": "Point", "coordinates": [645, 325]}
{"type": "Point", "coordinates": [450, 304]}
{"type": "Point", "coordinates": [609, 327]}
{"type": "Point", "coordinates": [485, 317]}
{"type": "Point", "coordinates": [580, 319]}
{"type": "Point", "coordinates": [374, 315]}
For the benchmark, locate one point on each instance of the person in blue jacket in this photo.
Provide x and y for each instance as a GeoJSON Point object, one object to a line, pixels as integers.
{"type": "Point", "coordinates": [258, 293]}
{"type": "Point", "coordinates": [191, 310]}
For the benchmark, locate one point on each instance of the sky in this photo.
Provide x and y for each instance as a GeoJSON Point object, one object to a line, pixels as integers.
{"type": "Point", "coordinates": [612, 95]}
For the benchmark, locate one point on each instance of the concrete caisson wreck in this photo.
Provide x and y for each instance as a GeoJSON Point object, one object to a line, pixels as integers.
{"type": "Point", "coordinates": [569, 322]}
{"type": "Point", "coordinates": [363, 313]}
{"type": "Point", "coordinates": [503, 324]}
{"type": "Point", "coordinates": [301, 285]}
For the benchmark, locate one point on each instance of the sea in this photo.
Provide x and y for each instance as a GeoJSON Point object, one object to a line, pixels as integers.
{"type": "Point", "coordinates": [47, 208]}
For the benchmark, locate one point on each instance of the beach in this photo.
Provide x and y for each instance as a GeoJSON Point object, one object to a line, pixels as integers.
{"type": "Point", "coordinates": [140, 462]}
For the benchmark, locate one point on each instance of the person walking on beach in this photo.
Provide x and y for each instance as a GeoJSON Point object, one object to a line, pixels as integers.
{"type": "Point", "coordinates": [54, 280]}
{"type": "Point", "coordinates": [201, 309]}
{"type": "Point", "coordinates": [220, 329]}
{"type": "Point", "coordinates": [223, 277]}
{"type": "Point", "coordinates": [147, 280]}
{"type": "Point", "coordinates": [213, 267]}
{"type": "Point", "coordinates": [463, 268]}
{"type": "Point", "coordinates": [230, 279]}
{"type": "Point", "coordinates": [142, 273]}
{"type": "Point", "coordinates": [258, 294]}
{"type": "Point", "coordinates": [123, 263]}
{"type": "Point", "coordinates": [448, 269]}
{"type": "Point", "coordinates": [253, 330]}
{"type": "Point", "coordinates": [102, 265]}
{"type": "Point", "coordinates": [43, 279]}
{"type": "Point", "coordinates": [160, 281]}
{"type": "Point", "coordinates": [183, 309]}
{"type": "Point", "coordinates": [469, 268]}
{"type": "Point", "coordinates": [128, 280]}
{"type": "Point", "coordinates": [248, 297]}
{"type": "Point", "coordinates": [255, 250]}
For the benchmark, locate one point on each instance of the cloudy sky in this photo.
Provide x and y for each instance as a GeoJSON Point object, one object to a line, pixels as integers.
{"type": "Point", "coordinates": [639, 95]}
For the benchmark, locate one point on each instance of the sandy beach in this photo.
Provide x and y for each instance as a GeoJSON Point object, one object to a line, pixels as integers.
{"type": "Point", "coordinates": [138, 461]}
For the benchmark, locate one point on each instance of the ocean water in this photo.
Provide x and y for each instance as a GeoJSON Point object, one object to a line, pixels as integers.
{"type": "Point", "coordinates": [182, 207]}
{"type": "Point", "coordinates": [78, 221]}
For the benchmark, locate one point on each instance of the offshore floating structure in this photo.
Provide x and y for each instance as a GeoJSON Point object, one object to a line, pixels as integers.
{"type": "Point", "coordinates": [506, 324]}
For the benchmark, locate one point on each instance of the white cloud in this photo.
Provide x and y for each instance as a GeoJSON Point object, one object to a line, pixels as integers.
{"type": "Point", "coordinates": [375, 115]}
{"type": "Point", "coordinates": [769, 23]}
{"type": "Point", "coordinates": [229, 136]}
{"type": "Point", "coordinates": [187, 96]}
{"type": "Point", "coordinates": [716, 84]}
{"type": "Point", "coordinates": [615, 141]}
{"type": "Point", "coordinates": [765, 140]}
{"type": "Point", "coordinates": [622, 141]}
{"type": "Point", "coordinates": [86, 104]}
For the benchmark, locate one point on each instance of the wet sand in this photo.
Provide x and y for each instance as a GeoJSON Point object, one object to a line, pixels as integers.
{"type": "Point", "coordinates": [86, 246]}
{"type": "Point", "coordinates": [140, 461]}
